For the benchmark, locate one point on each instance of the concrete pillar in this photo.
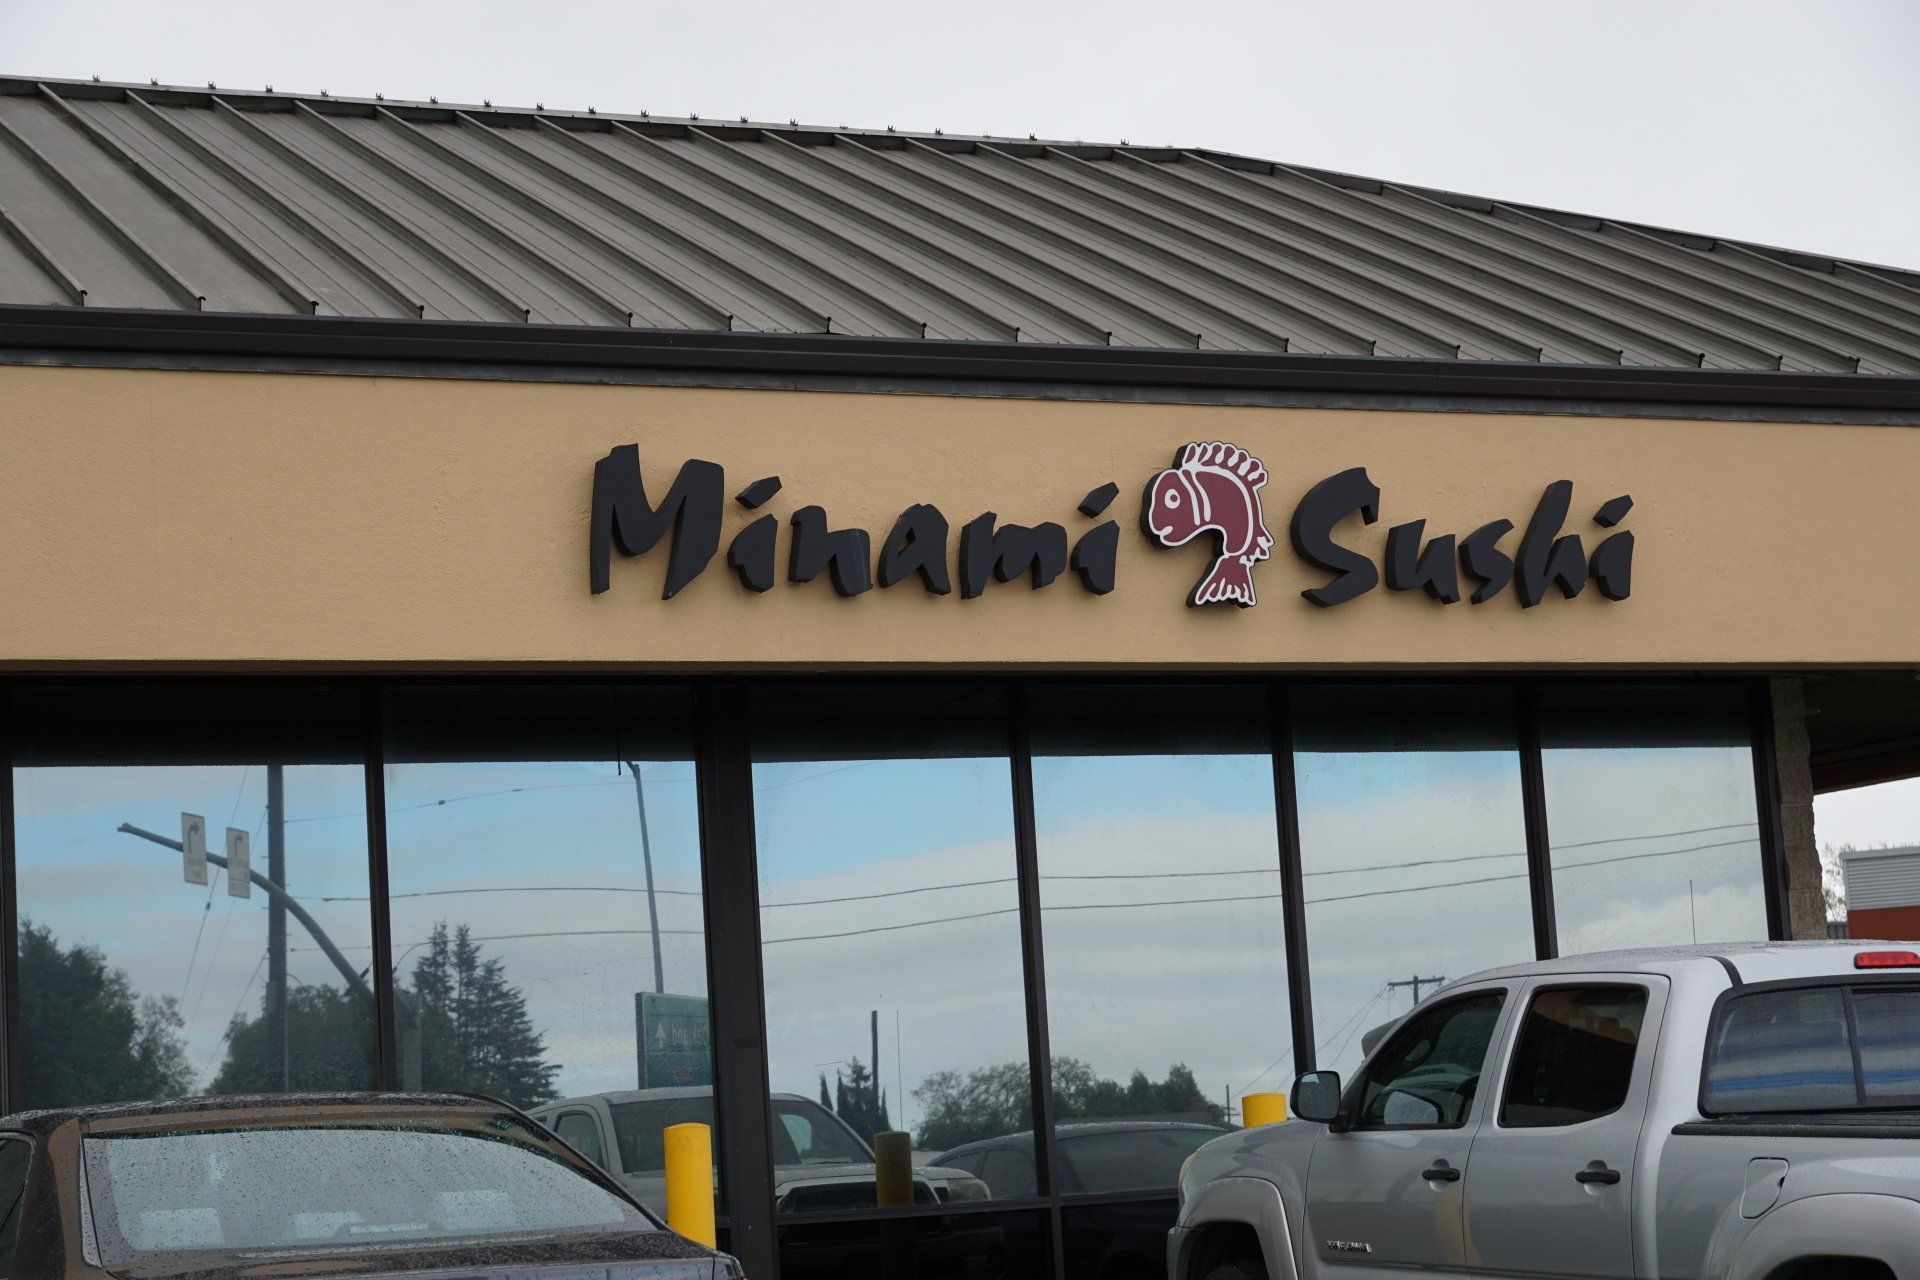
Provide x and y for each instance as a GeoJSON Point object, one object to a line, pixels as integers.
{"type": "Point", "coordinates": [1806, 905]}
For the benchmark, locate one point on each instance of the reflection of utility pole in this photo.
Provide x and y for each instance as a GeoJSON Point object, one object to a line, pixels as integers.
{"type": "Point", "coordinates": [1416, 982]}
{"type": "Point", "coordinates": [406, 1009]}
{"type": "Point", "coordinates": [646, 857]}
{"type": "Point", "coordinates": [277, 920]}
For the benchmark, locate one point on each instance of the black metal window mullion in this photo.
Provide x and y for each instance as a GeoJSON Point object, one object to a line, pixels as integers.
{"type": "Point", "coordinates": [374, 767]}
{"type": "Point", "coordinates": [730, 889]}
{"type": "Point", "coordinates": [10, 1088]}
{"type": "Point", "coordinates": [1293, 900]}
{"type": "Point", "coordinates": [1533, 803]}
{"type": "Point", "coordinates": [1026, 848]}
{"type": "Point", "coordinates": [1774, 875]}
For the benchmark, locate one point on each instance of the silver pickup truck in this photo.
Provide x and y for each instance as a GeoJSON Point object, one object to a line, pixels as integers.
{"type": "Point", "coordinates": [1704, 1113]}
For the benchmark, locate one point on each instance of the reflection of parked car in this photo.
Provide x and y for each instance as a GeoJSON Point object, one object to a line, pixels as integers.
{"type": "Point", "coordinates": [1744, 1112]}
{"type": "Point", "coordinates": [367, 1184]}
{"type": "Point", "coordinates": [1104, 1242]}
{"type": "Point", "coordinates": [1096, 1156]}
{"type": "Point", "coordinates": [819, 1162]}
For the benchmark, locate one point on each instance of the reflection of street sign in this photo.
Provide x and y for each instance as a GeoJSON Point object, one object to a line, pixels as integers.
{"type": "Point", "coordinates": [193, 847]}
{"type": "Point", "coordinates": [674, 1043]}
{"type": "Point", "coordinates": [239, 863]}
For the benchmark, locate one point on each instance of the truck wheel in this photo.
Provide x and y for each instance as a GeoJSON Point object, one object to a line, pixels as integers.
{"type": "Point", "coordinates": [1237, 1271]}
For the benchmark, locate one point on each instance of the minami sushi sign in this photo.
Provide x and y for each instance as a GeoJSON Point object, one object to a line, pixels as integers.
{"type": "Point", "coordinates": [1211, 495]}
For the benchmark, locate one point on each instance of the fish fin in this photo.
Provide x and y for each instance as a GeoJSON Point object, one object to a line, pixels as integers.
{"type": "Point", "coordinates": [1228, 580]}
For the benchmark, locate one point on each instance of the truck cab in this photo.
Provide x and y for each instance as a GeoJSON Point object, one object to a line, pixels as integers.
{"type": "Point", "coordinates": [1744, 1113]}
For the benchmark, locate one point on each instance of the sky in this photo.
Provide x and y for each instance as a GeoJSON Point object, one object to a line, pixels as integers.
{"type": "Point", "coordinates": [1784, 123]}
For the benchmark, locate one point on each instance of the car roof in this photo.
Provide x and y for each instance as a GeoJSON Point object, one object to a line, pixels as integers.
{"type": "Point", "coordinates": [1741, 962]}
{"type": "Point", "coordinates": [1083, 1128]}
{"type": "Point", "coordinates": [614, 1097]}
{"type": "Point", "coordinates": [47, 1119]}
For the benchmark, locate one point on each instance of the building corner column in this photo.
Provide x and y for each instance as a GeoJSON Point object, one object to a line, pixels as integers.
{"type": "Point", "coordinates": [1793, 765]}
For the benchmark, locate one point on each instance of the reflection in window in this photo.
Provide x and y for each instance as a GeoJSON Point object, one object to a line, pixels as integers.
{"type": "Point", "coordinates": [1652, 817]}
{"type": "Point", "coordinates": [140, 981]}
{"type": "Point", "coordinates": [534, 836]}
{"type": "Point", "coordinates": [1574, 1059]}
{"type": "Point", "coordinates": [1161, 892]}
{"type": "Point", "coordinates": [890, 923]}
{"type": "Point", "coordinates": [1412, 849]}
{"type": "Point", "coordinates": [1428, 1075]}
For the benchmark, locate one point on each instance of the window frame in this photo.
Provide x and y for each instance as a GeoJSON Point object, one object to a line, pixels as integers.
{"type": "Point", "coordinates": [1495, 1054]}
{"type": "Point", "coordinates": [1848, 982]}
{"type": "Point", "coordinates": [1509, 1059]}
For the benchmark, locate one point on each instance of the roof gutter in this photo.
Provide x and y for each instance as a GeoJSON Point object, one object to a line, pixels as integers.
{"type": "Point", "coordinates": [51, 332]}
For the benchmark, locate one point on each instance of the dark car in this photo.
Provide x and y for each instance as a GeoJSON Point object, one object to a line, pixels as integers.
{"type": "Point", "coordinates": [1105, 1241]}
{"type": "Point", "coordinates": [375, 1184]}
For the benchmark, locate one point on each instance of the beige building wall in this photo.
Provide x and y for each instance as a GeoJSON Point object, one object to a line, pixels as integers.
{"type": "Point", "coordinates": [229, 519]}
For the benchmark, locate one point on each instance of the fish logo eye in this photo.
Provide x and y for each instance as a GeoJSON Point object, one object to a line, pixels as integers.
{"type": "Point", "coordinates": [1173, 499]}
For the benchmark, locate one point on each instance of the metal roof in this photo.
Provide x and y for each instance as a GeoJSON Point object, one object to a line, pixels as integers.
{"type": "Point", "coordinates": [171, 199]}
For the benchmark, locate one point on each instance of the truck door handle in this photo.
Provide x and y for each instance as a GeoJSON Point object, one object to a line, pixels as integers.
{"type": "Point", "coordinates": [1598, 1172]}
{"type": "Point", "coordinates": [1444, 1172]}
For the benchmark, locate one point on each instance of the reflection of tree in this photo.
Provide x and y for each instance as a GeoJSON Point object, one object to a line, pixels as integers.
{"type": "Point", "coordinates": [990, 1101]}
{"type": "Point", "coordinates": [330, 1046]}
{"type": "Point", "coordinates": [474, 1031]}
{"type": "Point", "coordinates": [858, 1099]}
{"type": "Point", "coordinates": [95, 1040]}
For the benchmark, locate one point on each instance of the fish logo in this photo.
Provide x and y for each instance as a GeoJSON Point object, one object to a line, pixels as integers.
{"type": "Point", "coordinates": [1212, 486]}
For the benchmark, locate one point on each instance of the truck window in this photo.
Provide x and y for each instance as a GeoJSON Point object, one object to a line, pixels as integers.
{"type": "Point", "coordinates": [1428, 1073]}
{"type": "Point", "coordinates": [1574, 1059]}
{"type": "Point", "coordinates": [1834, 1047]}
{"type": "Point", "coordinates": [15, 1155]}
{"type": "Point", "coordinates": [581, 1132]}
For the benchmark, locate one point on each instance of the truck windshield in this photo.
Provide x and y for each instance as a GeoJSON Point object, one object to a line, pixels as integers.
{"type": "Point", "coordinates": [290, 1184]}
{"type": "Point", "coordinates": [1823, 1048]}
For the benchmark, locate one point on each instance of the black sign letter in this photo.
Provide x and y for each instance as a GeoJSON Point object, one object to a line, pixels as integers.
{"type": "Point", "coordinates": [918, 544]}
{"type": "Point", "coordinates": [1409, 567]}
{"type": "Point", "coordinates": [1547, 559]}
{"type": "Point", "coordinates": [848, 551]}
{"type": "Point", "coordinates": [623, 517]}
{"type": "Point", "coordinates": [1008, 552]}
{"type": "Point", "coordinates": [1325, 506]}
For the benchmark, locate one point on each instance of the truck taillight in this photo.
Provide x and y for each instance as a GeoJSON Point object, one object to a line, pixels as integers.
{"type": "Point", "coordinates": [1886, 960]}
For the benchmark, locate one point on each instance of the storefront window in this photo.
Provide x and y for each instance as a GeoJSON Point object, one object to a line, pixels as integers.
{"type": "Point", "coordinates": [1412, 848]}
{"type": "Point", "coordinates": [1652, 816]}
{"type": "Point", "coordinates": [890, 924]}
{"type": "Point", "coordinates": [141, 973]}
{"type": "Point", "coordinates": [535, 837]}
{"type": "Point", "coordinates": [1155, 818]}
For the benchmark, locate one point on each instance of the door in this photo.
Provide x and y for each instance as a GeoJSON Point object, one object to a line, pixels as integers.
{"type": "Point", "coordinates": [1386, 1194]}
{"type": "Point", "coordinates": [581, 1131]}
{"type": "Point", "coordinates": [1553, 1167]}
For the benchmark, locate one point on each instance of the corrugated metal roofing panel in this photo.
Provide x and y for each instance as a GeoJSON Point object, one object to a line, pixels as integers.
{"type": "Point", "coordinates": [182, 199]}
{"type": "Point", "coordinates": [1882, 878]}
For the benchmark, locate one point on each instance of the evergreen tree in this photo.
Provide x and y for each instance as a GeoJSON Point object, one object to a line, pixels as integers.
{"type": "Point", "coordinates": [330, 1046]}
{"type": "Point", "coordinates": [101, 1042]}
{"type": "Point", "coordinates": [474, 1031]}
{"type": "Point", "coordinates": [826, 1099]}
{"type": "Point", "coordinates": [860, 1101]}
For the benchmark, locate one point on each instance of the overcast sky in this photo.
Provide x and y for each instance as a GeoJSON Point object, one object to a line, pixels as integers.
{"type": "Point", "coordinates": [1788, 123]}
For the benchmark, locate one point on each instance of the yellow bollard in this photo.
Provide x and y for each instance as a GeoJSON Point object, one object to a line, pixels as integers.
{"type": "Point", "coordinates": [689, 1150]}
{"type": "Point", "coordinates": [1257, 1109]}
{"type": "Point", "coordinates": [892, 1170]}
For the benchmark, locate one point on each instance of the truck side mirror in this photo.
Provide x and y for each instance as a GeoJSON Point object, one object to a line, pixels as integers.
{"type": "Point", "coordinates": [1316, 1096]}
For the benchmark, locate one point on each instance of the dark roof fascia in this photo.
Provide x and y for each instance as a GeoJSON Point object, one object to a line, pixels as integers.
{"type": "Point", "coordinates": [49, 333]}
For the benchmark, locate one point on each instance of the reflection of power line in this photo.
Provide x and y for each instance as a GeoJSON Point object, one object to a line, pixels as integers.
{"type": "Point", "coordinates": [1250, 897]}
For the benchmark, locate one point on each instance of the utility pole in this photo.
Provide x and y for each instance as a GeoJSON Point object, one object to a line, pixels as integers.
{"type": "Point", "coordinates": [1416, 982]}
{"type": "Point", "coordinates": [646, 858]}
{"type": "Point", "coordinates": [277, 921]}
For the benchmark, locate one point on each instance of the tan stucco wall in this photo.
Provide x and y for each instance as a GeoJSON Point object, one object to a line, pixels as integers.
{"type": "Point", "coordinates": [215, 518]}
